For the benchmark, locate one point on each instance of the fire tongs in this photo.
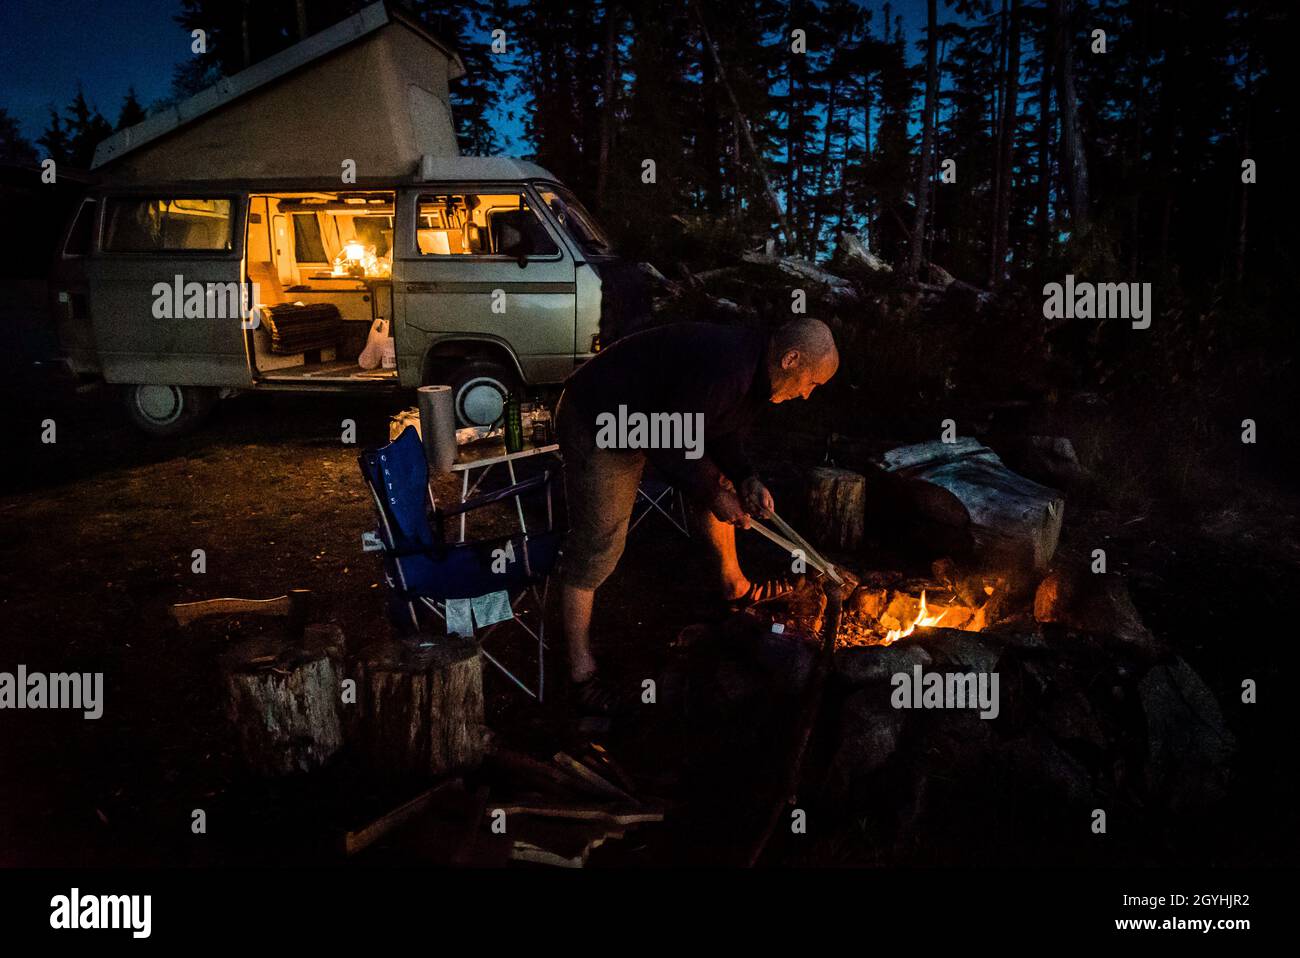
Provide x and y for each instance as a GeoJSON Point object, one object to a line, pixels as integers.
{"type": "Point", "coordinates": [792, 542]}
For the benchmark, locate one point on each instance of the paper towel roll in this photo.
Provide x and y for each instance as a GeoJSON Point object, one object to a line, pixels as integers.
{"type": "Point", "coordinates": [437, 426]}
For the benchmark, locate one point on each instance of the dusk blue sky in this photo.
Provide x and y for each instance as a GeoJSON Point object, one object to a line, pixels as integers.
{"type": "Point", "coordinates": [47, 46]}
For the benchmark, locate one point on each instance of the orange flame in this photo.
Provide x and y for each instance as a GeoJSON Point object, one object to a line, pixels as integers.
{"type": "Point", "coordinates": [923, 619]}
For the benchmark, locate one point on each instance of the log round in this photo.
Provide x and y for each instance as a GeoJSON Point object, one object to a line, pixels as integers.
{"type": "Point", "coordinates": [284, 699]}
{"type": "Point", "coordinates": [836, 507]}
{"type": "Point", "coordinates": [421, 706]}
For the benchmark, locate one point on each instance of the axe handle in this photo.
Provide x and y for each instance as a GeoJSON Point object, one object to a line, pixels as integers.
{"type": "Point", "coordinates": [187, 612]}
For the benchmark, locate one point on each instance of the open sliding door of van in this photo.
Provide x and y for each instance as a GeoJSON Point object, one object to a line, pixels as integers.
{"type": "Point", "coordinates": [166, 299]}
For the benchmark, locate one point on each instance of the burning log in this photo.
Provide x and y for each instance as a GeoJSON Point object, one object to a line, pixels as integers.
{"type": "Point", "coordinates": [836, 506]}
{"type": "Point", "coordinates": [283, 694]}
{"type": "Point", "coordinates": [963, 485]}
{"type": "Point", "coordinates": [421, 707]}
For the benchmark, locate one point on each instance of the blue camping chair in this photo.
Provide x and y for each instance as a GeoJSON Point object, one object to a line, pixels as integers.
{"type": "Point", "coordinates": [424, 571]}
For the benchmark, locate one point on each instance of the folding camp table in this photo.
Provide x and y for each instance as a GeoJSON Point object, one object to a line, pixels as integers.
{"type": "Point", "coordinates": [480, 456]}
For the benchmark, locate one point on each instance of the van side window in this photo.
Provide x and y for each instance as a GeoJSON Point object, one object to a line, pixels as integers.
{"type": "Point", "coordinates": [480, 224]}
{"type": "Point", "coordinates": [308, 247]}
{"type": "Point", "coordinates": [79, 237]}
{"type": "Point", "coordinates": [138, 225]}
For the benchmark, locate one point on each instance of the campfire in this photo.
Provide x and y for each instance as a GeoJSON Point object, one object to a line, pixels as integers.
{"type": "Point", "coordinates": [883, 616]}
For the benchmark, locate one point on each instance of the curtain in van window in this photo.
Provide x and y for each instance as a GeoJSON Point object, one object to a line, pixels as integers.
{"type": "Point", "coordinates": [135, 225]}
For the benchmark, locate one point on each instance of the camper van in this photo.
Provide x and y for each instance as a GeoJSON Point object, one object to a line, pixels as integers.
{"type": "Point", "coordinates": [259, 237]}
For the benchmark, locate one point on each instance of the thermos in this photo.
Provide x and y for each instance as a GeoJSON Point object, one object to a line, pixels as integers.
{"type": "Point", "coordinates": [514, 424]}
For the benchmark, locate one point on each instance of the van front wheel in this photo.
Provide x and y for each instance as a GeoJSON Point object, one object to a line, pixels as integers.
{"type": "Point", "coordinates": [167, 411]}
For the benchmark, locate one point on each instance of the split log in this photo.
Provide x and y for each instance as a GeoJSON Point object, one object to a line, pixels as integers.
{"type": "Point", "coordinates": [421, 707]}
{"type": "Point", "coordinates": [284, 699]}
{"type": "Point", "coordinates": [560, 844]}
{"type": "Point", "coordinates": [593, 780]}
{"type": "Point", "coordinates": [836, 507]}
{"type": "Point", "coordinates": [1009, 519]}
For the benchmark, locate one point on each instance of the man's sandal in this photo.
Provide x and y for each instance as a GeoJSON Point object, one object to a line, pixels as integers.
{"type": "Point", "coordinates": [598, 696]}
{"type": "Point", "coordinates": [763, 592]}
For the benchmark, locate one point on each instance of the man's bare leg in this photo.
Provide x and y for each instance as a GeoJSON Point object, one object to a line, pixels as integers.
{"type": "Point", "coordinates": [721, 537]}
{"type": "Point", "coordinates": [577, 631]}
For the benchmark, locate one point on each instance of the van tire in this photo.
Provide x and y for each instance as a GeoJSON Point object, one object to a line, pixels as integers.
{"type": "Point", "coordinates": [168, 411]}
{"type": "Point", "coordinates": [473, 382]}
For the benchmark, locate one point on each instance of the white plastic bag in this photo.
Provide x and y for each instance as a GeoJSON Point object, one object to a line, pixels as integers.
{"type": "Point", "coordinates": [372, 355]}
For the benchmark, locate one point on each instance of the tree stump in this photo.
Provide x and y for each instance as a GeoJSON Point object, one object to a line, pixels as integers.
{"type": "Point", "coordinates": [284, 699]}
{"type": "Point", "coordinates": [836, 507]}
{"type": "Point", "coordinates": [421, 706]}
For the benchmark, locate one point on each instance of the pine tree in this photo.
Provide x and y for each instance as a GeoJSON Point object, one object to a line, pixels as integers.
{"type": "Point", "coordinates": [55, 141]}
{"type": "Point", "coordinates": [14, 147]}
{"type": "Point", "coordinates": [132, 112]}
{"type": "Point", "coordinates": [85, 128]}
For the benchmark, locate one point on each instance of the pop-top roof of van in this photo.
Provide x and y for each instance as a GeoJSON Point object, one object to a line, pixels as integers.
{"type": "Point", "coordinates": [386, 77]}
{"type": "Point", "coordinates": [480, 168]}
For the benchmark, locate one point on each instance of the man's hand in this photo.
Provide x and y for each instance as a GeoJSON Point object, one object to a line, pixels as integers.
{"type": "Point", "coordinates": [727, 508]}
{"type": "Point", "coordinates": [755, 497]}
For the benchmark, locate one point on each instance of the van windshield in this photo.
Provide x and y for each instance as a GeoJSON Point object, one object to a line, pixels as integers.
{"type": "Point", "coordinates": [575, 219]}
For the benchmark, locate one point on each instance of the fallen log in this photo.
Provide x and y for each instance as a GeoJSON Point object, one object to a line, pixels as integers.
{"type": "Point", "coordinates": [836, 507]}
{"type": "Point", "coordinates": [838, 289]}
{"type": "Point", "coordinates": [964, 485]}
{"type": "Point", "coordinates": [421, 707]}
{"type": "Point", "coordinates": [852, 252]}
{"type": "Point", "coordinates": [283, 694]}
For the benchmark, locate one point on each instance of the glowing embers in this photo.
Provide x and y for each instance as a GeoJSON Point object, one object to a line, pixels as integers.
{"type": "Point", "coordinates": [883, 616]}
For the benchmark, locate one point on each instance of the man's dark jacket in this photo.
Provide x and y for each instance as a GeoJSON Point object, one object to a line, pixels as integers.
{"type": "Point", "coordinates": [720, 371]}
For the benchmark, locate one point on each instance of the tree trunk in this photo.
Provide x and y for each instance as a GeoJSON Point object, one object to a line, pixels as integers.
{"type": "Point", "coordinates": [1074, 164]}
{"type": "Point", "coordinates": [421, 708]}
{"type": "Point", "coordinates": [1048, 58]}
{"type": "Point", "coordinates": [836, 507]}
{"type": "Point", "coordinates": [283, 699]}
{"type": "Point", "coordinates": [607, 106]}
{"type": "Point", "coordinates": [1006, 143]}
{"type": "Point", "coordinates": [927, 140]}
{"type": "Point", "coordinates": [770, 194]}
{"type": "Point", "coordinates": [825, 164]}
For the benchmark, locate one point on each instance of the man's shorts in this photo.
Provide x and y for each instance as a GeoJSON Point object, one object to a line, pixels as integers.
{"type": "Point", "coordinates": [600, 488]}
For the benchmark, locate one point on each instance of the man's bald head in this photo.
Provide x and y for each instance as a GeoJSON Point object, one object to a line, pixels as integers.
{"type": "Point", "coordinates": [800, 357]}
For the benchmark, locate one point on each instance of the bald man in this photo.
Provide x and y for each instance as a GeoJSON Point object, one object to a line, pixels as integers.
{"type": "Point", "coordinates": [680, 396]}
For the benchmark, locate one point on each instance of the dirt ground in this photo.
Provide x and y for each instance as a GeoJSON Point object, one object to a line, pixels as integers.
{"type": "Point", "coordinates": [99, 533]}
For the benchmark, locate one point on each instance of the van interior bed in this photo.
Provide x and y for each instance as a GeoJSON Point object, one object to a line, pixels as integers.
{"type": "Point", "coordinates": [321, 264]}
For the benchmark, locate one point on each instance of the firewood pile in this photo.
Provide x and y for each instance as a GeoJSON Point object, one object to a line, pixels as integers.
{"type": "Point", "coordinates": [516, 808]}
